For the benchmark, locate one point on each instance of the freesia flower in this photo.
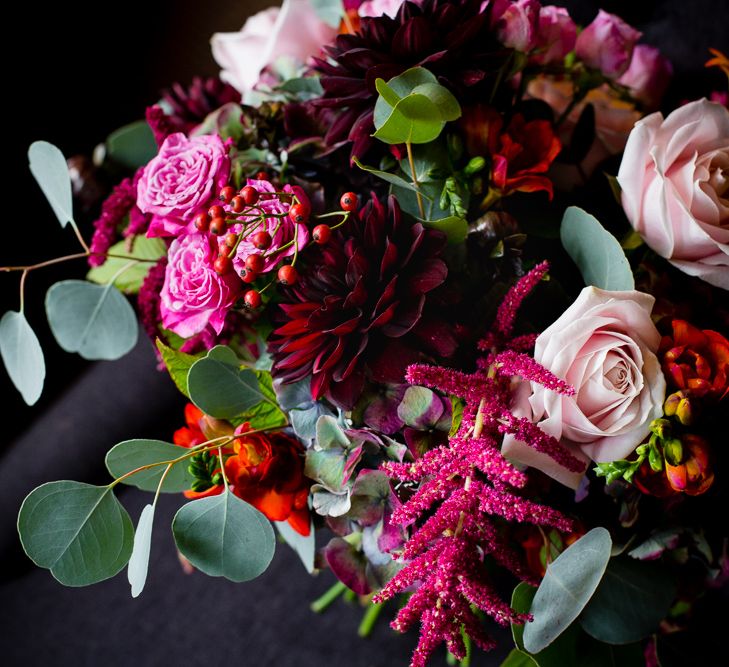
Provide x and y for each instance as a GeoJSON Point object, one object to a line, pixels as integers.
{"type": "Point", "coordinates": [692, 475]}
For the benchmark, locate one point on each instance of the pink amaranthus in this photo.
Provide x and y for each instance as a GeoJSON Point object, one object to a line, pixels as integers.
{"type": "Point", "coordinates": [473, 486]}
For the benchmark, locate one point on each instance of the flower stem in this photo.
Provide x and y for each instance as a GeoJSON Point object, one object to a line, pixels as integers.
{"type": "Point", "coordinates": [411, 161]}
{"type": "Point", "coordinates": [320, 604]}
{"type": "Point", "coordinates": [369, 619]}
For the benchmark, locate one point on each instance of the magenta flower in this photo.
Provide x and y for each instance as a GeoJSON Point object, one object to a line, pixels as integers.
{"type": "Point", "coordinates": [518, 26]}
{"type": "Point", "coordinates": [194, 295]}
{"type": "Point", "coordinates": [556, 36]}
{"type": "Point", "coordinates": [648, 75]}
{"type": "Point", "coordinates": [287, 236]}
{"type": "Point", "coordinates": [607, 44]}
{"type": "Point", "coordinates": [181, 181]}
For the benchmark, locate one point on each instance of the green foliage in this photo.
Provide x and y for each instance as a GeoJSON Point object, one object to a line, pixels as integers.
{"type": "Point", "coordinates": [329, 11]}
{"type": "Point", "coordinates": [568, 585]}
{"type": "Point", "coordinates": [132, 454]}
{"type": "Point", "coordinates": [202, 468]}
{"type": "Point", "coordinates": [139, 561]}
{"type": "Point", "coordinates": [304, 546]}
{"type": "Point", "coordinates": [455, 228]}
{"type": "Point", "coordinates": [95, 321]}
{"type": "Point", "coordinates": [22, 355]}
{"type": "Point", "coordinates": [266, 414]}
{"type": "Point", "coordinates": [302, 87]}
{"type": "Point", "coordinates": [631, 600]}
{"type": "Point", "coordinates": [178, 364]}
{"type": "Point", "coordinates": [132, 146]}
{"type": "Point", "coordinates": [386, 176]}
{"type": "Point", "coordinates": [129, 280]}
{"type": "Point", "coordinates": [80, 532]}
{"type": "Point", "coordinates": [223, 536]}
{"type": "Point", "coordinates": [518, 658]}
{"type": "Point", "coordinates": [50, 170]}
{"type": "Point", "coordinates": [596, 252]}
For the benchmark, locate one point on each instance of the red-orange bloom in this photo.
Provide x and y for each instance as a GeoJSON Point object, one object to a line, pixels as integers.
{"type": "Point", "coordinates": [693, 475]}
{"type": "Point", "coordinates": [267, 471]}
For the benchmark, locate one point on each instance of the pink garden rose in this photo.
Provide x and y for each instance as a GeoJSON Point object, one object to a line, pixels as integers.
{"type": "Point", "coordinates": [518, 25]}
{"type": "Point", "coordinates": [603, 345]}
{"type": "Point", "coordinates": [292, 31]}
{"type": "Point", "coordinates": [194, 295]}
{"type": "Point", "coordinates": [556, 35]}
{"type": "Point", "coordinates": [282, 229]}
{"type": "Point", "coordinates": [181, 181]}
{"type": "Point", "coordinates": [675, 182]}
{"type": "Point", "coordinates": [648, 75]}
{"type": "Point", "coordinates": [607, 44]}
{"type": "Point", "coordinates": [381, 7]}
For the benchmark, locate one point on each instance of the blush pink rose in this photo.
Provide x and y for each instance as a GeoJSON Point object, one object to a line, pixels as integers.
{"type": "Point", "coordinates": [292, 31]}
{"type": "Point", "coordinates": [648, 75]}
{"type": "Point", "coordinates": [518, 25]}
{"type": "Point", "coordinates": [607, 44]}
{"type": "Point", "coordinates": [556, 35]}
{"type": "Point", "coordinates": [604, 345]}
{"type": "Point", "coordinates": [181, 181]}
{"type": "Point", "coordinates": [675, 183]}
{"type": "Point", "coordinates": [194, 295]}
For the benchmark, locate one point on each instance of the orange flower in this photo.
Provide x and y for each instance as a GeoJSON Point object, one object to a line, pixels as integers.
{"type": "Point", "coordinates": [719, 60]}
{"type": "Point", "coordinates": [190, 435]}
{"type": "Point", "coordinates": [693, 475]}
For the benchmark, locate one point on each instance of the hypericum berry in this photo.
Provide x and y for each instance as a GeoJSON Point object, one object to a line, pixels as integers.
{"type": "Point", "coordinates": [218, 226]}
{"type": "Point", "coordinates": [224, 251]}
{"type": "Point", "coordinates": [216, 211]}
{"type": "Point", "coordinates": [237, 204]}
{"type": "Point", "coordinates": [288, 275]}
{"type": "Point", "coordinates": [298, 213]}
{"type": "Point", "coordinates": [263, 176]}
{"type": "Point", "coordinates": [252, 299]}
{"type": "Point", "coordinates": [248, 276]}
{"type": "Point", "coordinates": [348, 202]}
{"type": "Point", "coordinates": [254, 262]}
{"type": "Point", "coordinates": [231, 238]}
{"type": "Point", "coordinates": [322, 234]}
{"type": "Point", "coordinates": [202, 222]}
{"type": "Point", "coordinates": [262, 240]}
{"type": "Point", "coordinates": [227, 193]}
{"type": "Point", "coordinates": [222, 265]}
{"type": "Point", "coordinates": [249, 194]}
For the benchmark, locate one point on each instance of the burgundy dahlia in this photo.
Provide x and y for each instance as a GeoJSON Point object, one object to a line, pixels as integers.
{"type": "Point", "coordinates": [451, 38]}
{"type": "Point", "coordinates": [362, 296]}
{"type": "Point", "coordinates": [190, 105]}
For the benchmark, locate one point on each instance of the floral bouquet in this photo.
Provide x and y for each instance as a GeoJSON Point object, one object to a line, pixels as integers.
{"type": "Point", "coordinates": [406, 349]}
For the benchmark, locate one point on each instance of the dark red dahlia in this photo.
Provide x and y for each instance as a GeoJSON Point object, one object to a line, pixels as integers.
{"type": "Point", "coordinates": [362, 296]}
{"type": "Point", "coordinates": [190, 105]}
{"type": "Point", "coordinates": [451, 38]}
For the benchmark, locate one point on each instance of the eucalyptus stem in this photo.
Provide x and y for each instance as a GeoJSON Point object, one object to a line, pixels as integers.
{"type": "Point", "coordinates": [323, 602]}
{"type": "Point", "coordinates": [80, 238]}
{"type": "Point", "coordinates": [369, 619]}
{"type": "Point", "coordinates": [411, 161]}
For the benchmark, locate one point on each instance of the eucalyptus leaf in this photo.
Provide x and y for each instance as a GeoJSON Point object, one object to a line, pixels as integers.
{"type": "Point", "coordinates": [95, 321]}
{"type": "Point", "coordinates": [303, 545]}
{"type": "Point", "coordinates": [265, 414]}
{"type": "Point", "coordinates": [50, 170]}
{"type": "Point", "coordinates": [132, 454]}
{"type": "Point", "coordinates": [139, 561]}
{"type": "Point", "coordinates": [393, 179]}
{"type": "Point", "coordinates": [569, 583]}
{"type": "Point", "coordinates": [80, 532]}
{"type": "Point", "coordinates": [132, 146]}
{"type": "Point", "coordinates": [22, 355]}
{"type": "Point", "coordinates": [632, 599]}
{"type": "Point", "coordinates": [224, 536]}
{"type": "Point", "coordinates": [414, 119]}
{"type": "Point", "coordinates": [131, 279]}
{"type": "Point", "coordinates": [308, 85]}
{"type": "Point", "coordinates": [178, 364]}
{"type": "Point", "coordinates": [442, 98]}
{"type": "Point", "coordinates": [518, 658]}
{"type": "Point", "coordinates": [329, 11]}
{"type": "Point", "coordinates": [596, 252]}
{"type": "Point", "coordinates": [454, 227]}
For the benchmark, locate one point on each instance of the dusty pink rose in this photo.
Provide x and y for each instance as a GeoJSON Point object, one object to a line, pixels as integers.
{"type": "Point", "coordinates": [556, 35]}
{"type": "Point", "coordinates": [518, 25]}
{"type": "Point", "coordinates": [381, 7]}
{"type": "Point", "coordinates": [648, 75]}
{"type": "Point", "coordinates": [283, 230]}
{"type": "Point", "coordinates": [607, 44]}
{"type": "Point", "coordinates": [675, 182]}
{"type": "Point", "coordinates": [181, 181]}
{"type": "Point", "coordinates": [194, 295]}
{"type": "Point", "coordinates": [293, 31]}
{"type": "Point", "coordinates": [604, 345]}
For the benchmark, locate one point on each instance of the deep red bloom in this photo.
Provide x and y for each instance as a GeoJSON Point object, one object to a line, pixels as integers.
{"type": "Point", "coordinates": [693, 475]}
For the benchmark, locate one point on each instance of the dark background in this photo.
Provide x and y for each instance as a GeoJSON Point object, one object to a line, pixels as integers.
{"type": "Point", "coordinates": [73, 73]}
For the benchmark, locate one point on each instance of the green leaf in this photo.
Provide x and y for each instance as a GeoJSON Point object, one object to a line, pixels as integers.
{"type": "Point", "coordinates": [443, 99]}
{"type": "Point", "coordinates": [413, 119]}
{"type": "Point", "coordinates": [566, 588]}
{"type": "Point", "coordinates": [139, 561]}
{"type": "Point", "coordinates": [632, 599]}
{"type": "Point", "coordinates": [131, 279]}
{"type": "Point", "coordinates": [22, 355]}
{"type": "Point", "coordinates": [405, 83]}
{"type": "Point", "coordinates": [132, 454]}
{"type": "Point", "coordinates": [178, 364]}
{"type": "Point", "coordinates": [266, 414]}
{"type": "Point", "coordinates": [306, 85]}
{"type": "Point", "coordinates": [80, 532]}
{"type": "Point", "coordinates": [304, 546]}
{"type": "Point", "coordinates": [518, 658]}
{"type": "Point", "coordinates": [132, 146]}
{"type": "Point", "coordinates": [50, 170]}
{"type": "Point", "coordinates": [598, 654]}
{"type": "Point", "coordinates": [223, 536]}
{"type": "Point", "coordinates": [329, 11]}
{"type": "Point", "coordinates": [399, 181]}
{"type": "Point", "coordinates": [455, 228]}
{"type": "Point", "coordinates": [388, 94]}
{"type": "Point", "coordinates": [596, 251]}
{"type": "Point", "coordinates": [95, 321]}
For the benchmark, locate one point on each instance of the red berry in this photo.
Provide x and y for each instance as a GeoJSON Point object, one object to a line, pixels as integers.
{"type": "Point", "coordinates": [348, 202]}
{"type": "Point", "coordinates": [262, 176]}
{"type": "Point", "coordinates": [248, 276]}
{"type": "Point", "coordinates": [252, 299]}
{"type": "Point", "coordinates": [298, 213]}
{"type": "Point", "coordinates": [231, 238]}
{"type": "Point", "coordinates": [222, 264]}
{"type": "Point", "coordinates": [216, 211]}
{"type": "Point", "coordinates": [237, 204]}
{"type": "Point", "coordinates": [262, 240]}
{"type": "Point", "coordinates": [224, 250]}
{"type": "Point", "coordinates": [287, 275]}
{"type": "Point", "coordinates": [227, 193]}
{"type": "Point", "coordinates": [322, 234]}
{"type": "Point", "coordinates": [254, 262]}
{"type": "Point", "coordinates": [202, 222]}
{"type": "Point", "coordinates": [217, 226]}
{"type": "Point", "coordinates": [249, 194]}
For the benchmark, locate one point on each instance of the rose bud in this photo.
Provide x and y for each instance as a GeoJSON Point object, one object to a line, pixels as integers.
{"type": "Point", "coordinates": [693, 475]}
{"type": "Point", "coordinates": [518, 26]}
{"type": "Point", "coordinates": [607, 44]}
{"type": "Point", "coordinates": [648, 75]}
{"type": "Point", "coordinates": [556, 35]}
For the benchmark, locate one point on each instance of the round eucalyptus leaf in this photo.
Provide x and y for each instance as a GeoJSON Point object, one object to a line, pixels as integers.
{"type": "Point", "coordinates": [224, 536]}
{"type": "Point", "coordinates": [132, 454]}
{"type": "Point", "coordinates": [50, 170]}
{"type": "Point", "coordinates": [94, 320]}
{"type": "Point", "coordinates": [80, 532]}
{"type": "Point", "coordinates": [22, 356]}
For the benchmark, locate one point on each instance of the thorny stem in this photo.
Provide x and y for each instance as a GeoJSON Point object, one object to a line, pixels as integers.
{"type": "Point", "coordinates": [419, 196]}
